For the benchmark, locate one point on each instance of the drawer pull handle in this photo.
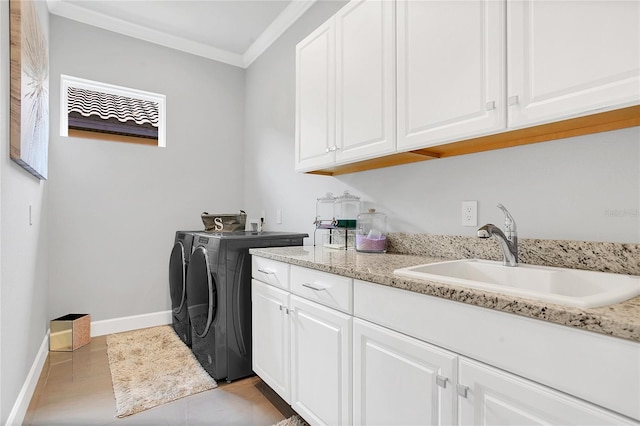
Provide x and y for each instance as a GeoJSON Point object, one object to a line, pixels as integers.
{"type": "Point", "coordinates": [441, 381]}
{"type": "Point", "coordinates": [462, 390]}
{"type": "Point", "coordinates": [266, 271]}
{"type": "Point", "coordinates": [313, 287]}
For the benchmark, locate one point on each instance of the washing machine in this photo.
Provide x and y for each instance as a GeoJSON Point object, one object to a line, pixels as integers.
{"type": "Point", "coordinates": [178, 267]}
{"type": "Point", "coordinates": [219, 298]}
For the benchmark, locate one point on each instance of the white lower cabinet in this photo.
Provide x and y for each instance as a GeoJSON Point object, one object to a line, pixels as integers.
{"type": "Point", "coordinates": [531, 369]}
{"type": "Point", "coordinates": [399, 380]}
{"type": "Point", "coordinates": [347, 352]}
{"type": "Point", "coordinates": [302, 339]}
{"type": "Point", "coordinates": [489, 396]}
{"type": "Point", "coordinates": [270, 337]}
{"type": "Point", "coordinates": [320, 363]}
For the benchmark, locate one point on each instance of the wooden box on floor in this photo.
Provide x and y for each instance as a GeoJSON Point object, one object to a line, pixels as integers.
{"type": "Point", "coordinates": [70, 332]}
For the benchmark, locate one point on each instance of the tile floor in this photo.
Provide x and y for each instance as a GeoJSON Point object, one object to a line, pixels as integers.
{"type": "Point", "coordinates": [75, 389]}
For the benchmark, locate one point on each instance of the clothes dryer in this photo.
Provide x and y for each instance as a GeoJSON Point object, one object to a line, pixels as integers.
{"type": "Point", "coordinates": [178, 267]}
{"type": "Point", "coordinates": [219, 298]}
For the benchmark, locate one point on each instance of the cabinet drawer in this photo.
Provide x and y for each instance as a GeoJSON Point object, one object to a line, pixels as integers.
{"type": "Point", "coordinates": [327, 289]}
{"type": "Point", "coordinates": [270, 271]}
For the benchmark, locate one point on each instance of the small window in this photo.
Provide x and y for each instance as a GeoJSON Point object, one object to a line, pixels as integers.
{"type": "Point", "coordinates": [95, 110]}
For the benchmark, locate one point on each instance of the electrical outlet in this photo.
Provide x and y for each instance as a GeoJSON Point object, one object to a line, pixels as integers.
{"type": "Point", "coordinates": [469, 213]}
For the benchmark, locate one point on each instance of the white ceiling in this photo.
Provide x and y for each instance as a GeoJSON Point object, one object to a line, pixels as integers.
{"type": "Point", "coordinates": [232, 31]}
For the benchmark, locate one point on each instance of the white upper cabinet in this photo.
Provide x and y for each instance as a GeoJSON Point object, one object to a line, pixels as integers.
{"type": "Point", "coordinates": [571, 58]}
{"type": "Point", "coordinates": [315, 98]}
{"type": "Point", "coordinates": [365, 83]}
{"type": "Point", "coordinates": [345, 87]}
{"type": "Point", "coordinates": [383, 77]}
{"type": "Point", "coordinates": [451, 70]}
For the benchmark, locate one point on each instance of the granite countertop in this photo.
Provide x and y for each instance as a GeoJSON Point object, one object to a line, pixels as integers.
{"type": "Point", "coordinates": [621, 320]}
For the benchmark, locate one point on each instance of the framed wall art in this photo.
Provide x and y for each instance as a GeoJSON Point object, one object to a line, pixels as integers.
{"type": "Point", "coordinates": [29, 140]}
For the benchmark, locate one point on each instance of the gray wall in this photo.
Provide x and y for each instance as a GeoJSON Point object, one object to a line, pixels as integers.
{"type": "Point", "coordinates": [114, 206]}
{"type": "Point", "coordinates": [23, 277]}
{"type": "Point", "coordinates": [583, 188]}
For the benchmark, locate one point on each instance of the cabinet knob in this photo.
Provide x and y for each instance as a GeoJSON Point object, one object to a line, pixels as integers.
{"type": "Point", "coordinates": [265, 271]}
{"type": "Point", "coordinates": [327, 150]}
{"type": "Point", "coordinates": [513, 100]}
{"type": "Point", "coordinates": [491, 105]}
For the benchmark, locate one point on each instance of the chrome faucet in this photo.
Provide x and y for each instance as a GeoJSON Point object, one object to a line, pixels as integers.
{"type": "Point", "coordinates": [508, 240]}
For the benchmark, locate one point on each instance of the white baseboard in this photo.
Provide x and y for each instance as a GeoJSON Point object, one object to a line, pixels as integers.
{"type": "Point", "coordinates": [16, 416]}
{"type": "Point", "coordinates": [135, 322]}
{"type": "Point", "coordinates": [98, 328]}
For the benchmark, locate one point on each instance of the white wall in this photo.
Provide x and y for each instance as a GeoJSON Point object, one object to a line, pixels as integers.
{"type": "Point", "coordinates": [23, 277]}
{"type": "Point", "coordinates": [583, 188]}
{"type": "Point", "coordinates": [115, 207]}
{"type": "Point", "coordinates": [270, 181]}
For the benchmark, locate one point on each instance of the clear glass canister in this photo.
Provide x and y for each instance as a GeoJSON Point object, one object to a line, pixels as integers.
{"type": "Point", "coordinates": [371, 232]}
{"type": "Point", "coordinates": [325, 211]}
{"type": "Point", "coordinates": [347, 209]}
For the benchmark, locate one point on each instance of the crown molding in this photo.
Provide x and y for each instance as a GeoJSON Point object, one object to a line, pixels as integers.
{"type": "Point", "coordinates": [282, 22]}
{"type": "Point", "coordinates": [80, 14]}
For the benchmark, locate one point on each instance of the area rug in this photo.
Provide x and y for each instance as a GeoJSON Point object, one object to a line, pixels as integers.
{"type": "Point", "coordinates": [152, 366]}
{"type": "Point", "coordinates": [292, 421]}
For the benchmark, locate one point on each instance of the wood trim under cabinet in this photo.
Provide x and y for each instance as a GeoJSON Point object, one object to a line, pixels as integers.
{"type": "Point", "coordinates": [595, 123]}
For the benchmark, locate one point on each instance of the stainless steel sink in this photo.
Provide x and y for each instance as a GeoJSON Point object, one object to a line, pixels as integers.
{"type": "Point", "coordinates": [570, 287]}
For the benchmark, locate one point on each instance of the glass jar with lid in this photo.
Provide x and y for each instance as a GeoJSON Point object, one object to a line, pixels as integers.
{"type": "Point", "coordinates": [347, 209]}
{"type": "Point", "coordinates": [371, 232]}
{"type": "Point", "coordinates": [325, 211]}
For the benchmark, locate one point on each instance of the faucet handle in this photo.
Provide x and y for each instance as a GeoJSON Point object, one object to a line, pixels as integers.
{"type": "Point", "coordinates": [509, 222]}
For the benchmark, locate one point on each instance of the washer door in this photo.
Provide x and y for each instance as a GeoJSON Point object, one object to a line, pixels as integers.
{"type": "Point", "coordinates": [201, 288]}
{"type": "Point", "coordinates": [177, 278]}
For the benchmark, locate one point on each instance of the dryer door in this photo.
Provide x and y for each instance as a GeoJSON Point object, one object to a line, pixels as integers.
{"type": "Point", "coordinates": [201, 288]}
{"type": "Point", "coordinates": [177, 279]}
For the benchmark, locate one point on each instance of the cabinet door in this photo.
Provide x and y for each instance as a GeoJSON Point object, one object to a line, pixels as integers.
{"type": "Point", "coordinates": [270, 336]}
{"type": "Point", "coordinates": [320, 363]}
{"type": "Point", "coordinates": [569, 58]}
{"type": "Point", "coordinates": [315, 99]}
{"type": "Point", "coordinates": [399, 380]}
{"type": "Point", "coordinates": [365, 80]}
{"type": "Point", "coordinates": [451, 72]}
{"type": "Point", "coordinates": [494, 397]}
